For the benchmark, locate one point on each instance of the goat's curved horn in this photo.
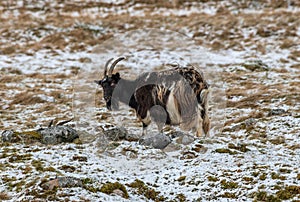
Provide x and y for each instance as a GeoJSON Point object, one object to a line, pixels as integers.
{"type": "Point", "coordinates": [111, 69]}
{"type": "Point", "coordinates": [106, 65]}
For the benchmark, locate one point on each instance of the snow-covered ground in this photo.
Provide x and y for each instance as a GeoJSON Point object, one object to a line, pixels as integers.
{"type": "Point", "coordinates": [51, 52]}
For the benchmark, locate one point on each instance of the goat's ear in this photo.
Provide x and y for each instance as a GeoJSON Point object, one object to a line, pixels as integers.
{"type": "Point", "coordinates": [118, 75]}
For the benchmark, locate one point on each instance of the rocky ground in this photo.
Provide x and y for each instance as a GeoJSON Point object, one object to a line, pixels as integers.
{"type": "Point", "coordinates": [52, 51]}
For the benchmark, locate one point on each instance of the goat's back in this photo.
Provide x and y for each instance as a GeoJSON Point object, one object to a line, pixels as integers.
{"type": "Point", "coordinates": [171, 78]}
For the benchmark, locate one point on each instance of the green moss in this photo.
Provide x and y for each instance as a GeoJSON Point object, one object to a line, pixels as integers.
{"type": "Point", "coordinates": [277, 187]}
{"type": "Point", "coordinates": [6, 179]}
{"type": "Point", "coordinates": [87, 181]}
{"type": "Point", "coordinates": [285, 170]}
{"type": "Point", "coordinates": [263, 176]}
{"type": "Point", "coordinates": [275, 176]}
{"type": "Point", "coordinates": [263, 196]}
{"type": "Point", "coordinates": [277, 141]}
{"type": "Point", "coordinates": [67, 168]}
{"type": "Point", "coordinates": [137, 184]}
{"type": "Point", "coordinates": [229, 195]}
{"type": "Point", "coordinates": [26, 136]}
{"type": "Point", "coordinates": [80, 158]}
{"type": "Point", "coordinates": [33, 134]}
{"type": "Point", "coordinates": [17, 158]}
{"type": "Point", "coordinates": [38, 165]}
{"type": "Point", "coordinates": [229, 184]}
{"type": "Point", "coordinates": [241, 148]}
{"type": "Point", "coordinates": [255, 174]}
{"type": "Point", "coordinates": [110, 187]}
{"type": "Point", "coordinates": [49, 195]}
{"type": "Point", "coordinates": [32, 183]}
{"type": "Point", "coordinates": [148, 192]}
{"type": "Point", "coordinates": [212, 179]}
{"type": "Point", "coordinates": [180, 198]}
{"type": "Point", "coordinates": [19, 185]}
{"type": "Point", "coordinates": [288, 192]}
{"type": "Point", "coordinates": [181, 178]}
{"type": "Point", "coordinates": [87, 184]}
{"type": "Point", "coordinates": [248, 179]}
{"type": "Point", "coordinates": [49, 169]}
{"type": "Point", "coordinates": [225, 150]}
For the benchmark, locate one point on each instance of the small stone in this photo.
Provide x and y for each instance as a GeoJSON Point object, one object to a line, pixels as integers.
{"type": "Point", "coordinates": [50, 185]}
{"type": "Point", "coordinates": [86, 137]}
{"type": "Point", "coordinates": [85, 60]}
{"type": "Point", "coordinates": [116, 134]}
{"type": "Point", "coordinates": [159, 141]}
{"type": "Point", "coordinates": [80, 158]}
{"type": "Point", "coordinates": [118, 192]}
{"type": "Point", "coordinates": [69, 182]}
{"type": "Point", "coordinates": [188, 155]}
{"type": "Point", "coordinates": [58, 134]}
{"type": "Point", "coordinates": [276, 112]}
{"type": "Point", "coordinates": [62, 182]}
{"type": "Point", "coordinates": [200, 148]}
{"type": "Point", "coordinates": [176, 134]}
{"type": "Point", "coordinates": [185, 139]}
{"type": "Point", "coordinates": [250, 122]}
{"type": "Point", "coordinates": [131, 137]}
{"type": "Point", "coordinates": [146, 141]}
{"type": "Point", "coordinates": [172, 147]}
{"type": "Point", "coordinates": [7, 136]}
{"type": "Point", "coordinates": [255, 65]}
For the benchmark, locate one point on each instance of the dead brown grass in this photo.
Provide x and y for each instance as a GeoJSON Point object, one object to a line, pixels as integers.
{"type": "Point", "coordinates": [26, 98]}
{"type": "Point", "coordinates": [240, 119]}
{"type": "Point", "coordinates": [11, 79]}
{"type": "Point", "coordinates": [4, 196]}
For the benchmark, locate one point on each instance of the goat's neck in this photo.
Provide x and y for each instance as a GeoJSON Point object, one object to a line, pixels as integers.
{"type": "Point", "coordinates": [124, 90]}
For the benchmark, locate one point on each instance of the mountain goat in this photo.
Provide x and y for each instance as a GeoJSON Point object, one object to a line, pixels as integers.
{"type": "Point", "coordinates": [178, 96]}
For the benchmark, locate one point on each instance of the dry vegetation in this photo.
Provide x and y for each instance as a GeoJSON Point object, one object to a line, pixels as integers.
{"type": "Point", "coordinates": [263, 98]}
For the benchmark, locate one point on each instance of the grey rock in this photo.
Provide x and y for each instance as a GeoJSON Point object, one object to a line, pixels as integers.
{"type": "Point", "coordinates": [188, 155]}
{"type": "Point", "coordinates": [159, 141]}
{"type": "Point", "coordinates": [116, 134]}
{"type": "Point", "coordinates": [176, 134]}
{"type": "Point", "coordinates": [62, 182]}
{"type": "Point", "coordinates": [172, 147]}
{"type": "Point", "coordinates": [185, 139]}
{"type": "Point", "coordinates": [250, 122]}
{"type": "Point", "coordinates": [58, 134]}
{"type": "Point", "coordinates": [131, 137]}
{"type": "Point", "coordinates": [276, 112]}
{"type": "Point", "coordinates": [7, 136]}
{"type": "Point", "coordinates": [86, 137]}
{"type": "Point", "coordinates": [255, 65]}
{"type": "Point", "coordinates": [69, 182]}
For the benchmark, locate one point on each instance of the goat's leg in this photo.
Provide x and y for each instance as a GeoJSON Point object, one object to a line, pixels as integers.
{"type": "Point", "coordinates": [144, 133]}
{"type": "Point", "coordinates": [206, 125]}
{"type": "Point", "coordinates": [199, 132]}
{"type": "Point", "coordinates": [160, 126]}
{"type": "Point", "coordinates": [199, 127]}
{"type": "Point", "coordinates": [144, 116]}
{"type": "Point", "coordinates": [159, 115]}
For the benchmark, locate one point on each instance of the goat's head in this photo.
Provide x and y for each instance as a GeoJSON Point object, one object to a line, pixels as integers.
{"type": "Point", "coordinates": [109, 83]}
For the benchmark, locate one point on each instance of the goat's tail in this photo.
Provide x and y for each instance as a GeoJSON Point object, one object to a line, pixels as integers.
{"type": "Point", "coordinates": [204, 98]}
